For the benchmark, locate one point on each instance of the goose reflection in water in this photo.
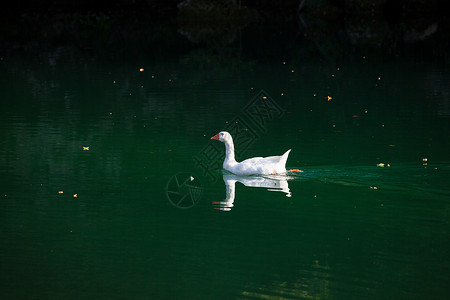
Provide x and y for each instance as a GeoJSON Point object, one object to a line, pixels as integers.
{"type": "Point", "coordinates": [273, 183]}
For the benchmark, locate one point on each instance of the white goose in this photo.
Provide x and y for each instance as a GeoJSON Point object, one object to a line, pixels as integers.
{"type": "Point", "coordinates": [251, 166]}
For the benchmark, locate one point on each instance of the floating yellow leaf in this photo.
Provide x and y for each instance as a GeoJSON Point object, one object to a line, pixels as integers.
{"type": "Point", "coordinates": [329, 98]}
{"type": "Point", "coordinates": [381, 165]}
{"type": "Point", "coordinates": [85, 148]}
{"type": "Point", "coordinates": [75, 195]}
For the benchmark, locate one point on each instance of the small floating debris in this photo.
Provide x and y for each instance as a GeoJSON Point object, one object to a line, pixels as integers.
{"type": "Point", "coordinates": [60, 192]}
{"type": "Point", "coordinates": [424, 161]}
{"type": "Point", "coordinates": [382, 165]}
{"type": "Point", "coordinates": [75, 195]}
{"type": "Point", "coordinates": [141, 70]}
{"type": "Point", "coordinates": [85, 148]}
{"type": "Point", "coordinates": [329, 98]}
{"type": "Point", "coordinates": [374, 188]}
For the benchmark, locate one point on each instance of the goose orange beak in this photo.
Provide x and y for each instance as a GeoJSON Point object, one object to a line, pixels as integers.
{"type": "Point", "coordinates": [216, 137]}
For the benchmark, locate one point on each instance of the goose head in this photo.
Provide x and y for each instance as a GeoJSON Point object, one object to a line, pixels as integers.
{"type": "Point", "coordinates": [224, 137]}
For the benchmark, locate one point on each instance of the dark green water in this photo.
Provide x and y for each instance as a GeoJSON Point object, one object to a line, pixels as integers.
{"type": "Point", "coordinates": [111, 222]}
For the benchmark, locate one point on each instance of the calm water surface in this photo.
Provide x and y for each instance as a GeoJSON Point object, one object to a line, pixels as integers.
{"type": "Point", "coordinates": [110, 187]}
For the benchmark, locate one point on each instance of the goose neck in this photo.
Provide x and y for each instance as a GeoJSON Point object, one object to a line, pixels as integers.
{"type": "Point", "coordinates": [229, 151]}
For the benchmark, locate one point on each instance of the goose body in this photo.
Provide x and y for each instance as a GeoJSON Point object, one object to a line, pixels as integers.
{"type": "Point", "coordinates": [251, 166]}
